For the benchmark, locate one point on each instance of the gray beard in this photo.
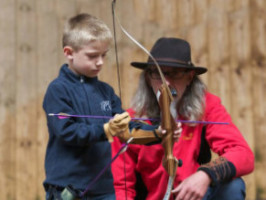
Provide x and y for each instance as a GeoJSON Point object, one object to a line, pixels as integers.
{"type": "Point", "coordinates": [173, 105]}
{"type": "Point", "coordinates": [173, 109]}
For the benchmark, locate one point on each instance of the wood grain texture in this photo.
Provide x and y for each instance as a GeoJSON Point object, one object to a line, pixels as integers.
{"type": "Point", "coordinates": [7, 100]}
{"type": "Point", "coordinates": [228, 37]}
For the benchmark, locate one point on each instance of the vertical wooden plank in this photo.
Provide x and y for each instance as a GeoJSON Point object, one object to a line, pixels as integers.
{"type": "Point", "coordinates": [241, 80]}
{"type": "Point", "coordinates": [258, 61]}
{"type": "Point", "coordinates": [218, 54]}
{"type": "Point", "coordinates": [26, 118]}
{"type": "Point", "coordinates": [7, 99]}
{"type": "Point", "coordinates": [185, 13]}
{"type": "Point", "coordinates": [51, 17]}
{"type": "Point", "coordinates": [197, 36]}
{"type": "Point", "coordinates": [259, 113]}
{"type": "Point", "coordinates": [64, 10]}
{"type": "Point", "coordinates": [48, 64]}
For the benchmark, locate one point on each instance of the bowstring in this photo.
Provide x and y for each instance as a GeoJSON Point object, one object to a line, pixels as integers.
{"type": "Point", "coordinates": [119, 81]}
{"type": "Point", "coordinates": [116, 50]}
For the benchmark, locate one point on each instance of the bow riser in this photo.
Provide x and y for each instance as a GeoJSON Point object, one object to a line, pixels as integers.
{"type": "Point", "coordinates": [168, 124]}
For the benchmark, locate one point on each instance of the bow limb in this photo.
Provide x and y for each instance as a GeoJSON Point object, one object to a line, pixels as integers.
{"type": "Point", "coordinates": [140, 46]}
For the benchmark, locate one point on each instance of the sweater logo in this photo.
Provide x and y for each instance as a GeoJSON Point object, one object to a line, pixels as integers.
{"type": "Point", "coordinates": [106, 106]}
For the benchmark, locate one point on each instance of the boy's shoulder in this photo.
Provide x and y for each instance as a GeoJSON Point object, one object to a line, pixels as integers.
{"type": "Point", "coordinates": [57, 82]}
{"type": "Point", "coordinates": [59, 85]}
{"type": "Point", "coordinates": [104, 84]}
{"type": "Point", "coordinates": [105, 87]}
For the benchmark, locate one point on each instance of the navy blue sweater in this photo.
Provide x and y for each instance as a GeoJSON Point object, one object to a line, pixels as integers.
{"type": "Point", "coordinates": [78, 149]}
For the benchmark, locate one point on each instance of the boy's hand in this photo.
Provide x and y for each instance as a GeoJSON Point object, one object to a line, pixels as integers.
{"type": "Point", "coordinates": [117, 125]}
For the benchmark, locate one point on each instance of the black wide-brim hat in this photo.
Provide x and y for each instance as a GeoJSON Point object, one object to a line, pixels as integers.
{"type": "Point", "coordinates": [171, 52]}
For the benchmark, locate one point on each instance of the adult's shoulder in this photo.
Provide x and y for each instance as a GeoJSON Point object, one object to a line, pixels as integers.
{"type": "Point", "coordinates": [212, 99]}
{"type": "Point", "coordinates": [214, 105]}
{"type": "Point", "coordinates": [212, 102]}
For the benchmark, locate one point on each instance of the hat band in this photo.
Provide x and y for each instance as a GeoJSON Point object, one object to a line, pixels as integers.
{"type": "Point", "coordinates": [170, 60]}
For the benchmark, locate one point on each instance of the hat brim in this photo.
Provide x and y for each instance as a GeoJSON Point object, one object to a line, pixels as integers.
{"type": "Point", "coordinates": [143, 65]}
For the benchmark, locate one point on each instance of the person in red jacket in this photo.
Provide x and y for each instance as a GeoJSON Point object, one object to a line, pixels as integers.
{"type": "Point", "coordinates": [200, 177]}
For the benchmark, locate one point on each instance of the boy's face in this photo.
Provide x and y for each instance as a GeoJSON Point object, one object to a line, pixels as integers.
{"type": "Point", "coordinates": [88, 60]}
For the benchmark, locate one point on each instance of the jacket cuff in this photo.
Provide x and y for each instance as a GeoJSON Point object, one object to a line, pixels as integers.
{"type": "Point", "coordinates": [219, 170]}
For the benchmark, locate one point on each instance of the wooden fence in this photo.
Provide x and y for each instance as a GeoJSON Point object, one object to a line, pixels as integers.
{"type": "Point", "coordinates": [227, 36]}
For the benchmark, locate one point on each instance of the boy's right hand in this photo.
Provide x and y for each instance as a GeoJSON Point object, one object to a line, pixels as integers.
{"type": "Point", "coordinates": [117, 125]}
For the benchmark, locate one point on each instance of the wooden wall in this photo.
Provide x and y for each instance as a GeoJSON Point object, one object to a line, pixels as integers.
{"type": "Point", "coordinates": [227, 36]}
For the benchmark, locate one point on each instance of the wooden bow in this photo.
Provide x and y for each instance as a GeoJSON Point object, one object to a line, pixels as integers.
{"type": "Point", "coordinates": [168, 124]}
{"type": "Point", "coordinates": [167, 120]}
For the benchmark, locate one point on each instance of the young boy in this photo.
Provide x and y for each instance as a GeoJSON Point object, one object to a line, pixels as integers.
{"type": "Point", "coordinates": [78, 148]}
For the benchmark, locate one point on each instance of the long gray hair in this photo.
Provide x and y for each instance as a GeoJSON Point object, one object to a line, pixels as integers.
{"type": "Point", "coordinates": [191, 106]}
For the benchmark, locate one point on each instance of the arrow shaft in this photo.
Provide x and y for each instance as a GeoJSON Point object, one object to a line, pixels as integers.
{"type": "Point", "coordinates": [62, 116]}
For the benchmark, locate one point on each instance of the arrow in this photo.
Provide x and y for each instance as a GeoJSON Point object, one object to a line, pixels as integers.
{"type": "Point", "coordinates": [65, 116]}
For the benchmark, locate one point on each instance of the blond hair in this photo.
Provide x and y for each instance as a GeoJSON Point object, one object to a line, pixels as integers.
{"type": "Point", "coordinates": [84, 28]}
{"type": "Point", "coordinates": [191, 106]}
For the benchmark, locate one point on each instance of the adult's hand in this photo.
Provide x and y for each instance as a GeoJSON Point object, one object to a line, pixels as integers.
{"type": "Point", "coordinates": [193, 188]}
{"type": "Point", "coordinates": [177, 132]}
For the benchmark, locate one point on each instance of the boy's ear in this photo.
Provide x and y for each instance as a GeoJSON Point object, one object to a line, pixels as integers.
{"type": "Point", "coordinates": [68, 52]}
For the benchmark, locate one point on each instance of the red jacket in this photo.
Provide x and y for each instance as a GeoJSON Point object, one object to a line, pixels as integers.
{"type": "Point", "coordinates": [225, 140]}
